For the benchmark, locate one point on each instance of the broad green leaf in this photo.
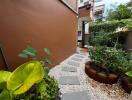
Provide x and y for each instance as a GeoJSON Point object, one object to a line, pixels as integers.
{"type": "Point", "coordinates": [25, 76]}
{"type": "Point", "coordinates": [23, 55]}
{"type": "Point", "coordinates": [5, 95]}
{"type": "Point", "coordinates": [30, 51]}
{"type": "Point", "coordinates": [129, 73]}
{"type": "Point", "coordinates": [47, 51]}
{"type": "Point", "coordinates": [4, 75]}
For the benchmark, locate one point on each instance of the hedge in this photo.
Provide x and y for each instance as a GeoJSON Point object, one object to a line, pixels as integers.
{"type": "Point", "coordinates": [110, 26]}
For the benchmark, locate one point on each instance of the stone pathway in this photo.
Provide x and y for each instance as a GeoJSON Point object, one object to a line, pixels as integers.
{"type": "Point", "coordinates": [69, 69]}
{"type": "Point", "coordinates": [74, 84]}
{"type": "Point", "coordinates": [69, 80]}
{"type": "Point", "coordinates": [76, 96]}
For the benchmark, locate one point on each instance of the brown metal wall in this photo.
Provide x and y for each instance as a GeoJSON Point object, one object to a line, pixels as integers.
{"type": "Point", "coordinates": [40, 23]}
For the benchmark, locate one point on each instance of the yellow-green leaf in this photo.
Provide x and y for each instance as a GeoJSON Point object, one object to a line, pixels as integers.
{"type": "Point", "coordinates": [25, 76]}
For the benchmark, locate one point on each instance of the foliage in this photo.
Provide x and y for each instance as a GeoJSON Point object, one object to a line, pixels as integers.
{"type": "Point", "coordinates": [4, 75]}
{"type": "Point", "coordinates": [111, 59]}
{"type": "Point", "coordinates": [129, 73]}
{"type": "Point", "coordinates": [129, 76]}
{"type": "Point", "coordinates": [31, 53]}
{"type": "Point", "coordinates": [110, 26]}
{"type": "Point", "coordinates": [21, 80]}
{"type": "Point", "coordinates": [28, 52]}
{"type": "Point", "coordinates": [103, 33]}
{"type": "Point", "coordinates": [48, 89]}
{"type": "Point", "coordinates": [107, 39]}
{"type": "Point", "coordinates": [121, 12]}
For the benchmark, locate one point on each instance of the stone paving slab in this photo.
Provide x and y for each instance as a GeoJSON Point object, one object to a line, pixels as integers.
{"type": "Point", "coordinates": [76, 96]}
{"type": "Point", "coordinates": [79, 56]}
{"type": "Point", "coordinates": [73, 63]}
{"type": "Point", "coordinates": [76, 59]}
{"type": "Point", "coordinates": [69, 80]}
{"type": "Point", "coordinates": [69, 69]}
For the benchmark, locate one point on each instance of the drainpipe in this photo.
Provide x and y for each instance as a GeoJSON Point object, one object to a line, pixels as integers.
{"type": "Point", "coordinates": [4, 59]}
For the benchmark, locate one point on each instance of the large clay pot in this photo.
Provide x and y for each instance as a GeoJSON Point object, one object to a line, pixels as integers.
{"type": "Point", "coordinates": [126, 85]}
{"type": "Point", "coordinates": [100, 76]}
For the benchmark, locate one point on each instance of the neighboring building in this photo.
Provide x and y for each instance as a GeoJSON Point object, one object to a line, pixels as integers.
{"type": "Point", "coordinates": [39, 23]}
{"type": "Point", "coordinates": [99, 13]}
{"type": "Point", "coordinates": [85, 17]}
{"type": "Point", "coordinates": [99, 9]}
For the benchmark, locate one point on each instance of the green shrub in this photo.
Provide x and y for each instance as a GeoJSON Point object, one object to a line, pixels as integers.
{"type": "Point", "coordinates": [108, 26]}
{"type": "Point", "coordinates": [111, 59]}
{"type": "Point", "coordinates": [103, 33]}
{"type": "Point", "coordinates": [47, 89]}
{"type": "Point", "coordinates": [121, 12]}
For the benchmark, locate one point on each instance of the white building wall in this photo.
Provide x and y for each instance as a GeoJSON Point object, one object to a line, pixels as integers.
{"type": "Point", "coordinates": [80, 4]}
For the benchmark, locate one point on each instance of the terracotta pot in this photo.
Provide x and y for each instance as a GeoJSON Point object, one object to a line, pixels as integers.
{"type": "Point", "coordinates": [126, 85]}
{"type": "Point", "coordinates": [99, 76]}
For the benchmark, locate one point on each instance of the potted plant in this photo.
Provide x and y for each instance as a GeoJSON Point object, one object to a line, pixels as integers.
{"type": "Point", "coordinates": [105, 65]}
{"type": "Point", "coordinates": [126, 82]}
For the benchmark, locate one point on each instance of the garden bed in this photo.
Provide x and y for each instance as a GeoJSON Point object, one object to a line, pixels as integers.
{"type": "Point", "coordinates": [100, 75]}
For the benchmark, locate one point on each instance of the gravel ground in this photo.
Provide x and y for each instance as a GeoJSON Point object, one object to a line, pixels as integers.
{"type": "Point", "coordinates": [97, 91]}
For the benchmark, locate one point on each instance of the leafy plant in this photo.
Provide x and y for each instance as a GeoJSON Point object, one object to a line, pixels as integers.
{"type": "Point", "coordinates": [111, 59]}
{"type": "Point", "coordinates": [20, 80]}
{"type": "Point", "coordinates": [104, 34]}
{"type": "Point", "coordinates": [31, 53]}
{"type": "Point", "coordinates": [129, 76]}
{"type": "Point", "coordinates": [48, 89]}
{"type": "Point", "coordinates": [121, 12]}
{"type": "Point", "coordinates": [129, 73]}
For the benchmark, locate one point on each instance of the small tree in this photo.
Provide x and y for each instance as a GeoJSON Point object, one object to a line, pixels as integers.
{"type": "Point", "coordinates": [121, 12]}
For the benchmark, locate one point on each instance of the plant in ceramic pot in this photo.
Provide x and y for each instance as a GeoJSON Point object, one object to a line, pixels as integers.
{"type": "Point", "coordinates": [107, 63]}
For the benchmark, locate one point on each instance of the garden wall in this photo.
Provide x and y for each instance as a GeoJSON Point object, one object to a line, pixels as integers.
{"type": "Point", "coordinates": [39, 23]}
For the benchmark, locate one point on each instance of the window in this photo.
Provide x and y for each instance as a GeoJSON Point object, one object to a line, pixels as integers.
{"type": "Point", "coordinates": [98, 0]}
{"type": "Point", "coordinates": [81, 1]}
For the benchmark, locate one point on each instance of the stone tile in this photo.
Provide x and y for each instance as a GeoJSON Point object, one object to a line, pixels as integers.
{"type": "Point", "coordinates": [69, 80]}
{"type": "Point", "coordinates": [76, 59]}
{"type": "Point", "coordinates": [69, 69]}
{"type": "Point", "coordinates": [73, 63]}
{"type": "Point", "coordinates": [76, 96]}
{"type": "Point", "coordinates": [79, 56]}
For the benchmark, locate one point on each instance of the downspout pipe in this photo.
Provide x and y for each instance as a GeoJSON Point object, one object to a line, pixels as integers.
{"type": "Point", "coordinates": [4, 59]}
